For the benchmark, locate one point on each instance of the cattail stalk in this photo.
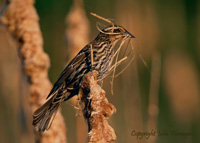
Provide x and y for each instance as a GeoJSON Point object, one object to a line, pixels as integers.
{"type": "Point", "coordinates": [77, 36]}
{"type": "Point", "coordinates": [96, 110]}
{"type": "Point", "coordinates": [77, 32]}
{"type": "Point", "coordinates": [153, 108]}
{"type": "Point", "coordinates": [21, 20]}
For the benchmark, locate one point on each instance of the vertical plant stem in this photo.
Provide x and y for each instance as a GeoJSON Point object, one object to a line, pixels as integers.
{"type": "Point", "coordinates": [77, 36]}
{"type": "Point", "coordinates": [96, 110]}
{"type": "Point", "coordinates": [153, 96]}
{"type": "Point", "coordinates": [21, 20]}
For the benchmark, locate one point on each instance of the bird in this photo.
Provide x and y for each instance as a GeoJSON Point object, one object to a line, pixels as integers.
{"type": "Point", "coordinates": [97, 55]}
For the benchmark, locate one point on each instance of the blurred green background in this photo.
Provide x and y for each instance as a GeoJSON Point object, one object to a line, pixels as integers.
{"type": "Point", "coordinates": [162, 97]}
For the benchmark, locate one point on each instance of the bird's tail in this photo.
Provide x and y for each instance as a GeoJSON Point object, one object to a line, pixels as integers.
{"type": "Point", "coordinates": [43, 116]}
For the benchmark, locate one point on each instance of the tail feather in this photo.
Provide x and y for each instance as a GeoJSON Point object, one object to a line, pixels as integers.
{"type": "Point", "coordinates": [43, 116]}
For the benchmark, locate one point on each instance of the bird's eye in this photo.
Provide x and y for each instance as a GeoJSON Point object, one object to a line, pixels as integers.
{"type": "Point", "coordinates": [119, 30]}
{"type": "Point", "coordinates": [115, 29]}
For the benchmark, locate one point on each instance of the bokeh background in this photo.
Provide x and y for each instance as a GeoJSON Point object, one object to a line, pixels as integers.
{"type": "Point", "coordinates": [162, 95]}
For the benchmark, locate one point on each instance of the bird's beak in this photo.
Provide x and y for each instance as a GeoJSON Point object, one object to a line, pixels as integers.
{"type": "Point", "coordinates": [127, 34]}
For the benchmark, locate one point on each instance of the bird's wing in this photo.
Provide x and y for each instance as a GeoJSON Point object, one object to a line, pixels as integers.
{"type": "Point", "coordinates": [71, 67]}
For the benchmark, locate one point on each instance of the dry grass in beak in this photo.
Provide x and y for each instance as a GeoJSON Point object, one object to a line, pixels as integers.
{"type": "Point", "coordinates": [102, 18]}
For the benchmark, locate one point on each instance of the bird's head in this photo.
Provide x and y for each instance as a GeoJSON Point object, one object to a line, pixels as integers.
{"type": "Point", "coordinates": [113, 32]}
{"type": "Point", "coordinates": [116, 32]}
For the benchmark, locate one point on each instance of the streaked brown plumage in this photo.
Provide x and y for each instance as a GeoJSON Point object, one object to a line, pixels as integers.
{"type": "Point", "coordinates": [97, 55]}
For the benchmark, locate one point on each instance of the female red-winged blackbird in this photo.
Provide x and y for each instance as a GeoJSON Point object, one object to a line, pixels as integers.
{"type": "Point", "coordinates": [97, 55]}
